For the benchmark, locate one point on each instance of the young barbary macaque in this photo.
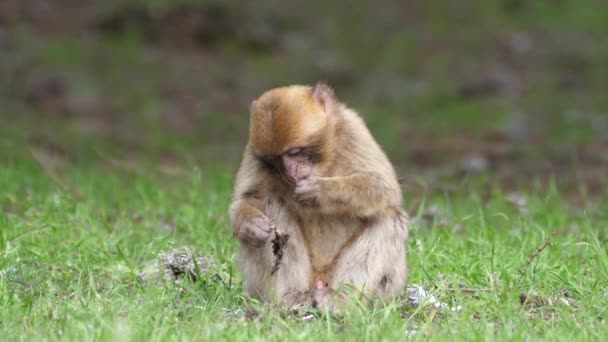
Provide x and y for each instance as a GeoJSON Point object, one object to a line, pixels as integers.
{"type": "Point", "coordinates": [313, 176]}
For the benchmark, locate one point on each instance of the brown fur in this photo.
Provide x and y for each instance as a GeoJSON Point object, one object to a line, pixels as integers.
{"type": "Point", "coordinates": [274, 125]}
{"type": "Point", "coordinates": [344, 219]}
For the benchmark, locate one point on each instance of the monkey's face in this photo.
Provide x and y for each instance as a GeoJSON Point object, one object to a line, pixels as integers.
{"type": "Point", "coordinates": [293, 166]}
{"type": "Point", "coordinates": [298, 163]}
{"type": "Point", "coordinates": [289, 132]}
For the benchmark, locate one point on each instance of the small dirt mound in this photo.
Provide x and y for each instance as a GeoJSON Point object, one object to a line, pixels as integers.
{"type": "Point", "coordinates": [174, 264]}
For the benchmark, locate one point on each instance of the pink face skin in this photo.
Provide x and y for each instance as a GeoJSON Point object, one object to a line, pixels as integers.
{"type": "Point", "coordinates": [297, 166]}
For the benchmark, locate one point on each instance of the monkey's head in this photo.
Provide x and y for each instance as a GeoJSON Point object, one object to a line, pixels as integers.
{"type": "Point", "coordinates": [291, 130]}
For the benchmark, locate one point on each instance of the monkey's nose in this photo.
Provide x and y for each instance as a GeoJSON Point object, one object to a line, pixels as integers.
{"type": "Point", "coordinates": [292, 173]}
{"type": "Point", "coordinates": [292, 179]}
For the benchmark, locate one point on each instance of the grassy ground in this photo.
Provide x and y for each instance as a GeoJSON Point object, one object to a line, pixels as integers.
{"type": "Point", "coordinates": [122, 125]}
{"type": "Point", "coordinates": [75, 231]}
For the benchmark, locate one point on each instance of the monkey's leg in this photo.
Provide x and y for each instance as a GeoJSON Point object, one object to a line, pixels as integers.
{"type": "Point", "coordinates": [376, 261]}
{"type": "Point", "coordinates": [294, 272]}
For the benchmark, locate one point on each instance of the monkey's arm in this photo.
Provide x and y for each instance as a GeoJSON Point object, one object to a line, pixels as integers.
{"type": "Point", "coordinates": [242, 210]}
{"type": "Point", "coordinates": [247, 216]}
{"type": "Point", "coordinates": [361, 194]}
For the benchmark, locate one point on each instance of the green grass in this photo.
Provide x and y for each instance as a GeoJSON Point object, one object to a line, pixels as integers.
{"type": "Point", "coordinates": [75, 227]}
{"type": "Point", "coordinates": [68, 258]}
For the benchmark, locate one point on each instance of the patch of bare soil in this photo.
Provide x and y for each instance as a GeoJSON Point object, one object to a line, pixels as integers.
{"type": "Point", "coordinates": [511, 163]}
{"type": "Point", "coordinates": [192, 24]}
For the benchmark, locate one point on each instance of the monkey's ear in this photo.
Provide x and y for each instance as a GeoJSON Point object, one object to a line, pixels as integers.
{"type": "Point", "coordinates": [251, 106]}
{"type": "Point", "coordinates": [324, 95]}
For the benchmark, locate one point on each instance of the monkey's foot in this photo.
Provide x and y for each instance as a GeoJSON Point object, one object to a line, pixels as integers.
{"type": "Point", "coordinates": [298, 304]}
{"type": "Point", "coordinates": [324, 298]}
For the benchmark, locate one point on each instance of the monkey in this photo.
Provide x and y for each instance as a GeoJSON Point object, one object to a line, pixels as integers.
{"type": "Point", "coordinates": [312, 169]}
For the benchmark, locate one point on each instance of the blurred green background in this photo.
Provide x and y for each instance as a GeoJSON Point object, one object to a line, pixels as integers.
{"type": "Point", "coordinates": [512, 90]}
{"type": "Point", "coordinates": [122, 124]}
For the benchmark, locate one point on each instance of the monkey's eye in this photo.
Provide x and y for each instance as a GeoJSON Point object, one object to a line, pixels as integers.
{"type": "Point", "coordinates": [266, 161]}
{"type": "Point", "coordinates": [294, 152]}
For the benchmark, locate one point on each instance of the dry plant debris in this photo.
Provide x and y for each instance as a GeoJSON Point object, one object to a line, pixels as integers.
{"type": "Point", "coordinates": [174, 264]}
{"type": "Point", "coordinates": [278, 247]}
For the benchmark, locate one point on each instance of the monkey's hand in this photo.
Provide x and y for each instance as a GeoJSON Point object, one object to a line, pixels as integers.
{"type": "Point", "coordinates": [255, 231]}
{"type": "Point", "coordinates": [307, 191]}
